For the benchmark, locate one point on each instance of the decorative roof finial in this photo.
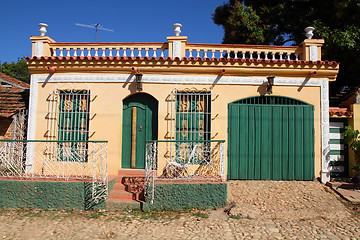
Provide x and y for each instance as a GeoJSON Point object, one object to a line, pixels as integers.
{"type": "Point", "coordinates": [309, 32]}
{"type": "Point", "coordinates": [177, 30]}
{"type": "Point", "coordinates": [42, 30]}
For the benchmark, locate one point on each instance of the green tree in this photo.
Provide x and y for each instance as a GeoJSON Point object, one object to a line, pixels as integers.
{"type": "Point", "coordinates": [279, 22]}
{"type": "Point", "coordinates": [353, 139]}
{"type": "Point", "coordinates": [18, 70]}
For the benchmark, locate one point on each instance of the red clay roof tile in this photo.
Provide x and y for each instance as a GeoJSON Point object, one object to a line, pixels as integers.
{"type": "Point", "coordinates": [340, 111]}
{"type": "Point", "coordinates": [186, 59]}
{"type": "Point", "coordinates": [14, 81]}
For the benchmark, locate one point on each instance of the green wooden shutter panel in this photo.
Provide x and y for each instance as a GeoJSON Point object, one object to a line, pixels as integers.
{"type": "Point", "coordinates": [73, 123]}
{"type": "Point", "coordinates": [271, 138]}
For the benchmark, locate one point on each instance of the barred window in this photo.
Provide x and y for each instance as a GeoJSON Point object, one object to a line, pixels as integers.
{"type": "Point", "coordinates": [193, 116]}
{"type": "Point", "coordinates": [192, 124]}
{"type": "Point", "coordinates": [73, 124]}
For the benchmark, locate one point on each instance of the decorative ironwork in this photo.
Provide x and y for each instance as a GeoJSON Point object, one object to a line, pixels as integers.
{"type": "Point", "coordinates": [183, 160]}
{"type": "Point", "coordinates": [20, 125]}
{"type": "Point", "coordinates": [191, 114]}
{"type": "Point", "coordinates": [69, 114]}
{"type": "Point", "coordinates": [85, 160]}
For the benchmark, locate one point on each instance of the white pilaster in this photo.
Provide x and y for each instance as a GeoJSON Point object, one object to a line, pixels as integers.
{"type": "Point", "coordinates": [31, 125]}
{"type": "Point", "coordinates": [313, 53]}
{"type": "Point", "coordinates": [325, 132]}
{"type": "Point", "coordinates": [39, 49]}
{"type": "Point", "coordinates": [176, 49]}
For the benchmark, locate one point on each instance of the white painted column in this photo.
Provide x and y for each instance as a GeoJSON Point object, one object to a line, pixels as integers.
{"type": "Point", "coordinates": [30, 148]}
{"type": "Point", "coordinates": [39, 45]}
{"type": "Point", "coordinates": [176, 49]}
{"type": "Point", "coordinates": [325, 132]}
{"type": "Point", "coordinates": [177, 44]}
{"type": "Point", "coordinates": [39, 49]}
{"type": "Point", "coordinates": [313, 53]}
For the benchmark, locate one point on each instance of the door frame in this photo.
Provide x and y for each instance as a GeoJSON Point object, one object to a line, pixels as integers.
{"type": "Point", "coordinates": [149, 105]}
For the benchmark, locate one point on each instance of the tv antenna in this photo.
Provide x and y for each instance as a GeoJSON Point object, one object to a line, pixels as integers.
{"type": "Point", "coordinates": [96, 26]}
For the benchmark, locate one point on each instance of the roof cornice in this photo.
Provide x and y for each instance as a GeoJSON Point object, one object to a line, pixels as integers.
{"type": "Point", "coordinates": [236, 67]}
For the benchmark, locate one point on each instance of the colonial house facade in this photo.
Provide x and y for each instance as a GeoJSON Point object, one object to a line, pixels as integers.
{"type": "Point", "coordinates": [183, 110]}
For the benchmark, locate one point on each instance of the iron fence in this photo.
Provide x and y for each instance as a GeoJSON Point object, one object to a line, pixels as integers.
{"type": "Point", "coordinates": [183, 160]}
{"type": "Point", "coordinates": [57, 160]}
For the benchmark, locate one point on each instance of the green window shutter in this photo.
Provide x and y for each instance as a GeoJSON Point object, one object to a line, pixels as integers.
{"type": "Point", "coordinates": [193, 118]}
{"type": "Point", "coordinates": [73, 125]}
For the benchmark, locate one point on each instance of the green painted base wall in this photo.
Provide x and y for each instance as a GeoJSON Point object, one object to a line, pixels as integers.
{"type": "Point", "coordinates": [169, 196]}
{"type": "Point", "coordinates": [48, 195]}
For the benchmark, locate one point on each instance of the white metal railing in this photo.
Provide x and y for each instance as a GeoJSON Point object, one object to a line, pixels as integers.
{"type": "Point", "coordinates": [65, 160]}
{"type": "Point", "coordinates": [183, 160]}
{"type": "Point", "coordinates": [20, 125]}
{"type": "Point", "coordinates": [149, 50]}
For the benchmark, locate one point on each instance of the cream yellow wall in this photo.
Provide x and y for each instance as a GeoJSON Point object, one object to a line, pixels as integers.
{"type": "Point", "coordinates": [354, 122]}
{"type": "Point", "coordinates": [107, 110]}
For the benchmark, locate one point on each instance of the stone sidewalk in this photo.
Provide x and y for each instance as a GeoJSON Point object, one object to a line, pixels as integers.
{"type": "Point", "coordinates": [264, 210]}
{"type": "Point", "coordinates": [346, 190]}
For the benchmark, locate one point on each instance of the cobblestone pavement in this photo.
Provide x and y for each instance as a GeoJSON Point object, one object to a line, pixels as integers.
{"type": "Point", "coordinates": [264, 210]}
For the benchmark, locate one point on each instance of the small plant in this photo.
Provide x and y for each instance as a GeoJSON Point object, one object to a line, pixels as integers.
{"type": "Point", "coordinates": [353, 139]}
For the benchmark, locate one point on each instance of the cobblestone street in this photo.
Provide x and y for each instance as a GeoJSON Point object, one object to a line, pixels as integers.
{"type": "Point", "coordinates": [264, 210]}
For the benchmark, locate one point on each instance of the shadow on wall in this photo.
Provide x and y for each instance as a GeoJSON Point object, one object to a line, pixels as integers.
{"type": "Point", "coordinates": [262, 89]}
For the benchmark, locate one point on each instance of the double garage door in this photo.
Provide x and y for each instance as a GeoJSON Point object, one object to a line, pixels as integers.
{"type": "Point", "coordinates": [271, 137]}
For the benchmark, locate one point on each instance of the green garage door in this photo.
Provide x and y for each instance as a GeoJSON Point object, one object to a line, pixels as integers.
{"type": "Point", "coordinates": [271, 137]}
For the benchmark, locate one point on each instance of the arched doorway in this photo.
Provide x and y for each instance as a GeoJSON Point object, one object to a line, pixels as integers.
{"type": "Point", "coordinates": [270, 137]}
{"type": "Point", "coordinates": [140, 123]}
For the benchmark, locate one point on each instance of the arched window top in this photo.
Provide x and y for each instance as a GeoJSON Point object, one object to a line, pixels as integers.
{"type": "Point", "coordinates": [270, 100]}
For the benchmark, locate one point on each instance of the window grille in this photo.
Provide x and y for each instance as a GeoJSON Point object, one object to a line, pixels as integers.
{"type": "Point", "coordinates": [74, 116]}
{"type": "Point", "coordinates": [191, 115]}
{"type": "Point", "coordinates": [192, 122]}
{"type": "Point", "coordinates": [68, 121]}
{"type": "Point", "coordinates": [73, 125]}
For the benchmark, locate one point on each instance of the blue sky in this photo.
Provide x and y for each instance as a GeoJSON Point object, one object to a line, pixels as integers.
{"type": "Point", "coordinates": [132, 21]}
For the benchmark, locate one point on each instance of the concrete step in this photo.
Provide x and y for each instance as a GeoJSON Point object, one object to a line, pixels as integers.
{"type": "Point", "coordinates": [119, 186]}
{"type": "Point", "coordinates": [128, 187]}
{"type": "Point", "coordinates": [121, 195]}
{"type": "Point", "coordinates": [128, 172]}
{"type": "Point", "coordinates": [131, 180]}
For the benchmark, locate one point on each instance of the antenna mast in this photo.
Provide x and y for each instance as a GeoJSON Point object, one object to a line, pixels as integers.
{"type": "Point", "coordinates": [96, 26]}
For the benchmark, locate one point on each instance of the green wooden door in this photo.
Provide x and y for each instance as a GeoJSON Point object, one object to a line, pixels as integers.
{"type": "Point", "coordinates": [271, 137]}
{"type": "Point", "coordinates": [139, 125]}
